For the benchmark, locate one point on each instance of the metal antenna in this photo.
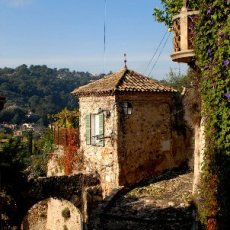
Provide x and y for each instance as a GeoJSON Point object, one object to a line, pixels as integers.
{"type": "Point", "coordinates": [105, 12]}
{"type": "Point", "coordinates": [125, 60]}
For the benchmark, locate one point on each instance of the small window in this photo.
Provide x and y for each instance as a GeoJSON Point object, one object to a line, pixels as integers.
{"type": "Point", "coordinates": [95, 129]}
{"type": "Point", "coordinates": [127, 108]}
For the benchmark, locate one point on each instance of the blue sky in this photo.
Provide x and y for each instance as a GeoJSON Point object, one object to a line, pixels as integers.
{"type": "Point", "coordinates": [70, 34]}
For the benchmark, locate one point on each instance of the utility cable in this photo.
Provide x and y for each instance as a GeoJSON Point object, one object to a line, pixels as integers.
{"type": "Point", "coordinates": [155, 52]}
{"type": "Point", "coordinates": [159, 54]}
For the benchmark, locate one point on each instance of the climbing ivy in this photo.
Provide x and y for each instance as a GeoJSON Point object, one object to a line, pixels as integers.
{"type": "Point", "coordinates": [213, 71]}
{"type": "Point", "coordinates": [213, 59]}
{"type": "Point", "coordinates": [171, 8]}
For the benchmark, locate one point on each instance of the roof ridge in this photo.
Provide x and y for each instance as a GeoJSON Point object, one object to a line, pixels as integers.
{"type": "Point", "coordinates": [120, 79]}
{"type": "Point", "coordinates": [154, 80]}
{"type": "Point", "coordinates": [124, 80]}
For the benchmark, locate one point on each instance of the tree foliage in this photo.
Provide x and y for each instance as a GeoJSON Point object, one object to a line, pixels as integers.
{"type": "Point", "coordinates": [24, 155]}
{"type": "Point", "coordinates": [17, 165]}
{"type": "Point", "coordinates": [213, 73]}
{"type": "Point", "coordinates": [36, 91]}
{"type": "Point", "coordinates": [66, 118]}
{"type": "Point", "coordinates": [178, 81]}
{"type": "Point", "coordinates": [171, 8]}
{"type": "Point", "coordinates": [213, 59]}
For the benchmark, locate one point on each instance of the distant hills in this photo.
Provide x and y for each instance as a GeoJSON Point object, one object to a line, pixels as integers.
{"type": "Point", "coordinates": [34, 92]}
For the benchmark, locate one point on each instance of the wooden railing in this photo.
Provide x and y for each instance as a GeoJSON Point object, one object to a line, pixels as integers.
{"type": "Point", "coordinates": [184, 35]}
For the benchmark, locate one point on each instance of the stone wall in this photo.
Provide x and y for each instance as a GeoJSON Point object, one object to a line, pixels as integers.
{"type": "Point", "coordinates": [145, 137]}
{"type": "Point", "coordinates": [55, 164]}
{"type": "Point", "coordinates": [36, 217]}
{"type": "Point", "coordinates": [101, 159]}
{"type": "Point", "coordinates": [137, 145]}
{"type": "Point", "coordinates": [79, 193]}
{"type": "Point", "coordinates": [53, 214]}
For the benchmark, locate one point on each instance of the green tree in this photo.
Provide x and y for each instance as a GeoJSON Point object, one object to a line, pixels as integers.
{"type": "Point", "coordinates": [39, 90]}
{"type": "Point", "coordinates": [41, 150]}
{"type": "Point", "coordinates": [171, 8]}
{"type": "Point", "coordinates": [178, 81]}
{"type": "Point", "coordinates": [66, 118]}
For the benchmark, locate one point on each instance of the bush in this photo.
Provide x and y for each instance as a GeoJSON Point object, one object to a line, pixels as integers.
{"type": "Point", "coordinates": [66, 213]}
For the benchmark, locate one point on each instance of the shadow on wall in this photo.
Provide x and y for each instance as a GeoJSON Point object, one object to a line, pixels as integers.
{"type": "Point", "coordinates": [53, 214]}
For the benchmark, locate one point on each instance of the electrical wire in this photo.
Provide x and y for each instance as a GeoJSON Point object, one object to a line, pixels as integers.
{"type": "Point", "coordinates": [159, 55]}
{"type": "Point", "coordinates": [155, 52]}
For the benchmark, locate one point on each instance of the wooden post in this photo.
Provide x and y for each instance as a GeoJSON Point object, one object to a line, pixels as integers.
{"type": "Point", "coordinates": [184, 28]}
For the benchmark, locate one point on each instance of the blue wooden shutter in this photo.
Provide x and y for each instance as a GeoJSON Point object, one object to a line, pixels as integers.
{"type": "Point", "coordinates": [101, 130]}
{"type": "Point", "coordinates": [88, 129]}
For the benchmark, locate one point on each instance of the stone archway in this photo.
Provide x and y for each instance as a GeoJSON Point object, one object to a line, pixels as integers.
{"type": "Point", "coordinates": [53, 214]}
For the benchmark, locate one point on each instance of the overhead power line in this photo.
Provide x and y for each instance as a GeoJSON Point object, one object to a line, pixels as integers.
{"type": "Point", "coordinates": [159, 49]}
{"type": "Point", "coordinates": [162, 48]}
{"type": "Point", "coordinates": [155, 52]}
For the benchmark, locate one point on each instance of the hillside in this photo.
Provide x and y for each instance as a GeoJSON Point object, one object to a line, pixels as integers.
{"type": "Point", "coordinates": [32, 93]}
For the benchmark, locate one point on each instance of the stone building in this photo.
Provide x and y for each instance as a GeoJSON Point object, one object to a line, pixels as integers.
{"type": "Point", "coordinates": [126, 128]}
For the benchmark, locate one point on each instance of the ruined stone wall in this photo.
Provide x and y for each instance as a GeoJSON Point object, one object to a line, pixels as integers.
{"type": "Point", "coordinates": [36, 217]}
{"type": "Point", "coordinates": [62, 214]}
{"type": "Point", "coordinates": [55, 164]}
{"type": "Point", "coordinates": [97, 158]}
{"type": "Point", "coordinates": [146, 138]}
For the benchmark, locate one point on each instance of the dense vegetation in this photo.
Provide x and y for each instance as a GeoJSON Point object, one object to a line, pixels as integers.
{"type": "Point", "coordinates": [34, 92]}
{"type": "Point", "coordinates": [213, 59]}
{"type": "Point", "coordinates": [213, 74]}
{"type": "Point", "coordinates": [171, 8]}
{"type": "Point", "coordinates": [21, 158]}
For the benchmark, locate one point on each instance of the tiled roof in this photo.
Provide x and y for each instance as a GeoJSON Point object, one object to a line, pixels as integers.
{"type": "Point", "coordinates": [124, 80]}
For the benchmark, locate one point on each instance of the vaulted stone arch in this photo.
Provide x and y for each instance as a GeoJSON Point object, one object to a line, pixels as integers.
{"type": "Point", "coordinates": [75, 188]}
{"type": "Point", "coordinates": [53, 214]}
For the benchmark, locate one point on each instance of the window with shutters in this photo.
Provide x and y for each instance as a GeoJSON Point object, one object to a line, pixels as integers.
{"type": "Point", "coordinates": [95, 129]}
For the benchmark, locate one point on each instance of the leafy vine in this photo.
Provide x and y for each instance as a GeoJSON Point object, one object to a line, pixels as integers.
{"type": "Point", "coordinates": [213, 59]}
{"type": "Point", "coordinates": [213, 63]}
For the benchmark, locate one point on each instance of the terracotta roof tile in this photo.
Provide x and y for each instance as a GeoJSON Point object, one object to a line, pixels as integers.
{"type": "Point", "coordinates": [124, 80]}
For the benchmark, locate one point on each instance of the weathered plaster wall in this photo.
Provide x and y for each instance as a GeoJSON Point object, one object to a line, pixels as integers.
{"type": "Point", "coordinates": [58, 218]}
{"type": "Point", "coordinates": [198, 154]}
{"type": "Point", "coordinates": [145, 137]}
{"type": "Point", "coordinates": [101, 159]}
